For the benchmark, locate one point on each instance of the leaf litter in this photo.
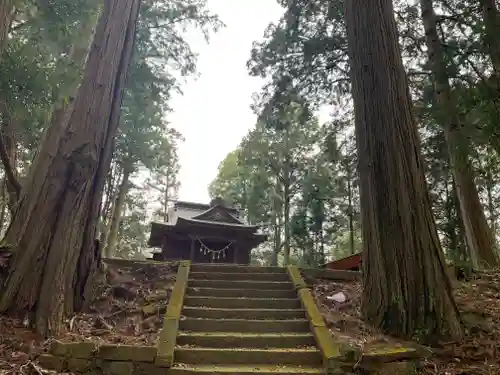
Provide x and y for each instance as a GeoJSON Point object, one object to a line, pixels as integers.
{"type": "Point", "coordinates": [478, 299]}
{"type": "Point", "coordinates": [129, 305]}
{"type": "Point", "coordinates": [128, 309]}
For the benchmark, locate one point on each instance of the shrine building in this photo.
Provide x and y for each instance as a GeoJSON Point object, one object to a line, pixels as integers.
{"type": "Point", "coordinates": [204, 233]}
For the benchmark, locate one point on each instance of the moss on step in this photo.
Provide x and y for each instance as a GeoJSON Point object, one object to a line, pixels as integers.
{"type": "Point", "coordinates": [243, 356]}
{"type": "Point", "coordinates": [246, 340]}
{"type": "Point", "coordinates": [246, 292]}
{"type": "Point", "coordinates": [240, 325]}
{"type": "Point", "coordinates": [118, 368]}
{"type": "Point", "coordinates": [397, 360]}
{"type": "Point", "coordinates": [250, 314]}
{"type": "Point", "coordinates": [312, 311]}
{"type": "Point", "coordinates": [241, 284]}
{"type": "Point", "coordinates": [235, 302]}
{"type": "Point", "coordinates": [168, 334]}
{"type": "Point", "coordinates": [52, 362]}
{"type": "Point", "coordinates": [226, 268]}
{"type": "Point", "coordinates": [73, 349]}
{"type": "Point", "coordinates": [296, 278]}
{"type": "Point", "coordinates": [334, 352]}
{"type": "Point", "coordinates": [127, 353]}
{"type": "Point", "coordinates": [237, 276]}
{"type": "Point", "coordinates": [245, 370]}
{"type": "Point", "coordinates": [79, 365]}
{"type": "Point", "coordinates": [395, 368]}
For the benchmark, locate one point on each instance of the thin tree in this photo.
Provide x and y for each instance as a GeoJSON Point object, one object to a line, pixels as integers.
{"type": "Point", "coordinates": [6, 13]}
{"type": "Point", "coordinates": [480, 239]}
{"type": "Point", "coordinates": [406, 287]}
{"type": "Point", "coordinates": [55, 220]}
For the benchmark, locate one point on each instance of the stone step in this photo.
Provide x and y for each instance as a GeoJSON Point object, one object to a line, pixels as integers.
{"type": "Point", "coordinates": [246, 340]}
{"type": "Point", "coordinates": [242, 325]}
{"type": "Point", "coordinates": [228, 356]}
{"type": "Point", "coordinates": [249, 293]}
{"type": "Point", "coordinates": [240, 284]}
{"type": "Point", "coordinates": [258, 276]}
{"type": "Point", "coordinates": [226, 268]}
{"type": "Point", "coordinates": [183, 369]}
{"type": "Point", "coordinates": [201, 312]}
{"type": "Point", "coordinates": [242, 303]}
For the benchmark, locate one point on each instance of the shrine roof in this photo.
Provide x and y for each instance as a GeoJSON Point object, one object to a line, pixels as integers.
{"type": "Point", "coordinates": [191, 226]}
{"type": "Point", "coordinates": [200, 206]}
{"type": "Point", "coordinates": [188, 218]}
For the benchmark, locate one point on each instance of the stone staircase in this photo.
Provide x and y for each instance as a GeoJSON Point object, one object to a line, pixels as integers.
{"type": "Point", "coordinates": [243, 320]}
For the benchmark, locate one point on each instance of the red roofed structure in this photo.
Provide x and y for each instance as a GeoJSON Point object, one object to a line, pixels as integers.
{"type": "Point", "coordinates": [351, 263]}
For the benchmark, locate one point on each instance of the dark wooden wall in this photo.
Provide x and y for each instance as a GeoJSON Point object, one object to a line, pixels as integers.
{"type": "Point", "coordinates": [179, 249]}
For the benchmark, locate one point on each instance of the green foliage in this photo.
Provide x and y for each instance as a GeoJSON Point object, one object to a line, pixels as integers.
{"type": "Point", "coordinates": [42, 64]}
{"type": "Point", "coordinates": [145, 143]}
{"type": "Point", "coordinates": [304, 55]}
{"type": "Point", "coordinates": [295, 165]}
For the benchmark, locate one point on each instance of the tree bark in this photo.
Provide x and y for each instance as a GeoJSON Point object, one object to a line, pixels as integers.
{"type": "Point", "coordinates": [107, 203]}
{"type": "Point", "coordinates": [286, 223]}
{"type": "Point", "coordinates": [56, 252]}
{"type": "Point", "coordinates": [490, 184]}
{"type": "Point", "coordinates": [8, 157]}
{"type": "Point", "coordinates": [59, 120]}
{"type": "Point", "coordinates": [478, 234]}
{"type": "Point", "coordinates": [3, 197]}
{"type": "Point", "coordinates": [491, 20]}
{"type": "Point", "coordinates": [406, 287]}
{"type": "Point", "coordinates": [6, 14]}
{"type": "Point", "coordinates": [350, 208]}
{"type": "Point", "coordinates": [117, 213]}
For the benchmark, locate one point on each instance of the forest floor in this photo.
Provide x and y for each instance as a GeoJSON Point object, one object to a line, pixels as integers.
{"type": "Point", "coordinates": [479, 302]}
{"type": "Point", "coordinates": [130, 304]}
{"type": "Point", "coordinates": [128, 309]}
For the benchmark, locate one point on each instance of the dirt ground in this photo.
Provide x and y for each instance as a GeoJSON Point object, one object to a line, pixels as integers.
{"type": "Point", "coordinates": [478, 299]}
{"type": "Point", "coordinates": [131, 302]}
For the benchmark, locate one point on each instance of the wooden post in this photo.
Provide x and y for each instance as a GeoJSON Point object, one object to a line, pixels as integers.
{"type": "Point", "coordinates": [191, 254]}
{"type": "Point", "coordinates": [235, 253]}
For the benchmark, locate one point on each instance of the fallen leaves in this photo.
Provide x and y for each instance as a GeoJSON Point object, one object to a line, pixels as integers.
{"type": "Point", "coordinates": [116, 316]}
{"type": "Point", "coordinates": [478, 299]}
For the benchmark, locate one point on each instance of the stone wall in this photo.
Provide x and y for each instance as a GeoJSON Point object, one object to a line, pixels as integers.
{"type": "Point", "coordinates": [90, 359]}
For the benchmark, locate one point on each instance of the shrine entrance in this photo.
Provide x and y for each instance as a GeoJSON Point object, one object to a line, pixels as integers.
{"type": "Point", "coordinates": [204, 234]}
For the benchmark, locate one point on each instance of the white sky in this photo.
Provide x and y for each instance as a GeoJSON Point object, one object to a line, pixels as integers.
{"type": "Point", "coordinates": [214, 112]}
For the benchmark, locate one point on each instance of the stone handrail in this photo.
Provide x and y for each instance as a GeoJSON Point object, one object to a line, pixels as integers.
{"type": "Point", "coordinates": [168, 334]}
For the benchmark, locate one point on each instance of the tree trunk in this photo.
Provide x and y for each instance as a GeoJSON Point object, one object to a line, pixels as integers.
{"type": "Point", "coordinates": [51, 137]}
{"type": "Point", "coordinates": [106, 204]}
{"type": "Point", "coordinates": [3, 197]}
{"type": "Point", "coordinates": [6, 14]}
{"type": "Point", "coordinates": [478, 234]}
{"type": "Point", "coordinates": [277, 240]}
{"type": "Point", "coordinates": [490, 185]}
{"type": "Point", "coordinates": [56, 252]}
{"type": "Point", "coordinates": [406, 287]}
{"type": "Point", "coordinates": [491, 20]}
{"type": "Point", "coordinates": [8, 155]}
{"type": "Point", "coordinates": [462, 241]}
{"type": "Point", "coordinates": [450, 227]}
{"type": "Point", "coordinates": [350, 209]}
{"type": "Point", "coordinates": [286, 223]}
{"type": "Point", "coordinates": [117, 213]}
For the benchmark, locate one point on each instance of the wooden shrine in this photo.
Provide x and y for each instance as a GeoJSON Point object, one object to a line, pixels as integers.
{"type": "Point", "coordinates": [204, 233]}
